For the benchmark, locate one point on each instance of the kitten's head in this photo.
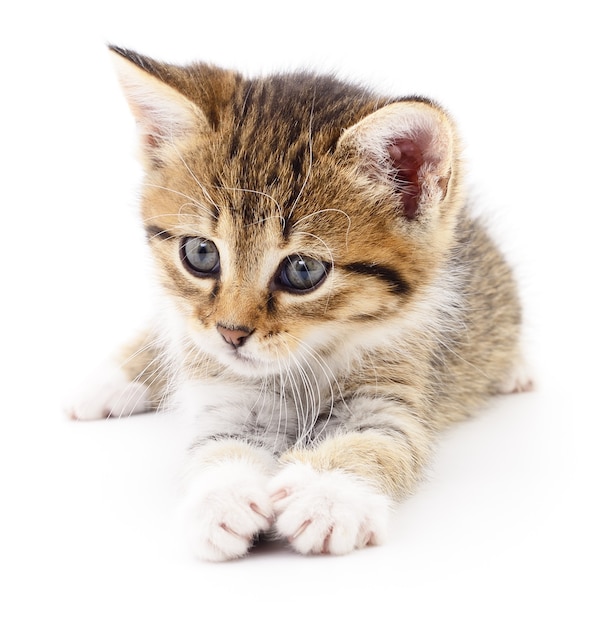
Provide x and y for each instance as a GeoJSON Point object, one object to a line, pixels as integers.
{"type": "Point", "coordinates": [289, 215]}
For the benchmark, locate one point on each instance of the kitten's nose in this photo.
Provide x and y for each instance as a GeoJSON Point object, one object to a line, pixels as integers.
{"type": "Point", "coordinates": [234, 336]}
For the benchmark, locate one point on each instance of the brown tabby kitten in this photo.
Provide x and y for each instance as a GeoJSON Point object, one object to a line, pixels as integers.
{"type": "Point", "coordinates": [329, 305]}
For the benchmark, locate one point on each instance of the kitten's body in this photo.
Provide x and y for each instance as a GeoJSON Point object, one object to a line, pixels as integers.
{"type": "Point", "coordinates": [330, 304]}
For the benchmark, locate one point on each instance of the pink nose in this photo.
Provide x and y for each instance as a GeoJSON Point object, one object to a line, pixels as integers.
{"type": "Point", "coordinates": [235, 336]}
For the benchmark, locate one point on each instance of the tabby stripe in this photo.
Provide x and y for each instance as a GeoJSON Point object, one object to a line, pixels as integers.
{"type": "Point", "coordinates": [396, 432]}
{"type": "Point", "coordinates": [160, 233]}
{"type": "Point", "coordinates": [396, 282]}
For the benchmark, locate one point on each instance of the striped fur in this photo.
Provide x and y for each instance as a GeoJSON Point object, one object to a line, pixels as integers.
{"type": "Point", "coordinates": [341, 389]}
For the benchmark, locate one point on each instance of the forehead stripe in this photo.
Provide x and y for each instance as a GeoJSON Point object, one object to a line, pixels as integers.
{"type": "Point", "coordinates": [396, 282]}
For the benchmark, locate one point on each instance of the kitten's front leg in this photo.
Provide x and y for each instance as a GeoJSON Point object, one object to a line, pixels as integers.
{"type": "Point", "coordinates": [132, 382]}
{"type": "Point", "coordinates": [226, 504]}
{"type": "Point", "coordinates": [337, 496]}
{"type": "Point", "coordinates": [328, 511]}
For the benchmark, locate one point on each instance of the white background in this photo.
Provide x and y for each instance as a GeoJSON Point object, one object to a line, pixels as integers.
{"type": "Point", "coordinates": [501, 533]}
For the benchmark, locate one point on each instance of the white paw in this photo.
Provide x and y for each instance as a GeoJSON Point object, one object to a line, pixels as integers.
{"type": "Point", "coordinates": [108, 393]}
{"type": "Point", "coordinates": [518, 380]}
{"type": "Point", "coordinates": [225, 509]}
{"type": "Point", "coordinates": [327, 511]}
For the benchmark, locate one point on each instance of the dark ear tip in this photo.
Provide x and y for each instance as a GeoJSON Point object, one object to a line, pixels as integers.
{"type": "Point", "coordinates": [145, 63]}
{"type": "Point", "coordinates": [118, 50]}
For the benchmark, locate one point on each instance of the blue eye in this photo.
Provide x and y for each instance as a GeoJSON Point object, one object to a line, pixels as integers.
{"type": "Point", "coordinates": [200, 256]}
{"type": "Point", "coordinates": [301, 273]}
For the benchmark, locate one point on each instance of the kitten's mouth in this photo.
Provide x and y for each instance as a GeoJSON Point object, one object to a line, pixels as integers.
{"type": "Point", "coordinates": [243, 361]}
{"type": "Point", "coordinates": [243, 357]}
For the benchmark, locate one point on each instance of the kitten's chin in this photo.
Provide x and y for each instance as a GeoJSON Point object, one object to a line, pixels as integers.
{"type": "Point", "coordinates": [245, 364]}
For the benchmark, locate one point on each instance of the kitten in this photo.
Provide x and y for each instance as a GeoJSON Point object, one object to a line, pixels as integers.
{"type": "Point", "coordinates": [329, 305]}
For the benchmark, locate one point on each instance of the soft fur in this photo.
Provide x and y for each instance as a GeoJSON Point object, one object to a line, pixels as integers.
{"type": "Point", "coordinates": [314, 408]}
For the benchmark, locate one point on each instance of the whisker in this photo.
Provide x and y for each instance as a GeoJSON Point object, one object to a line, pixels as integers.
{"type": "Point", "coordinates": [255, 192]}
{"type": "Point", "coordinates": [195, 178]}
{"type": "Point", "coordinates": [333, 391]}
{"type": "Point", "coordinates": [192, 202]}
{"type": "Point", "coordinates": [319, 211]}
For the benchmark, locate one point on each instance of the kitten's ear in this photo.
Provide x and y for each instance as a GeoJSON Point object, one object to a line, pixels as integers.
{"type": "Point", "coordinates": [163, 114]}
{"type": "Point", "coordinates": [409, 147]}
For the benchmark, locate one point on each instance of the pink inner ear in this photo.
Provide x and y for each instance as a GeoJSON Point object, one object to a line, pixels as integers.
{"type": "Point", "coordinates": [406, 158]}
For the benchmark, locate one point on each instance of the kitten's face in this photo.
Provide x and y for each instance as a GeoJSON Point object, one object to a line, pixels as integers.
{"type": "Point", "coordinates": [259, 282]}
{"type": "Point", "coordinates": [288, 216]}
